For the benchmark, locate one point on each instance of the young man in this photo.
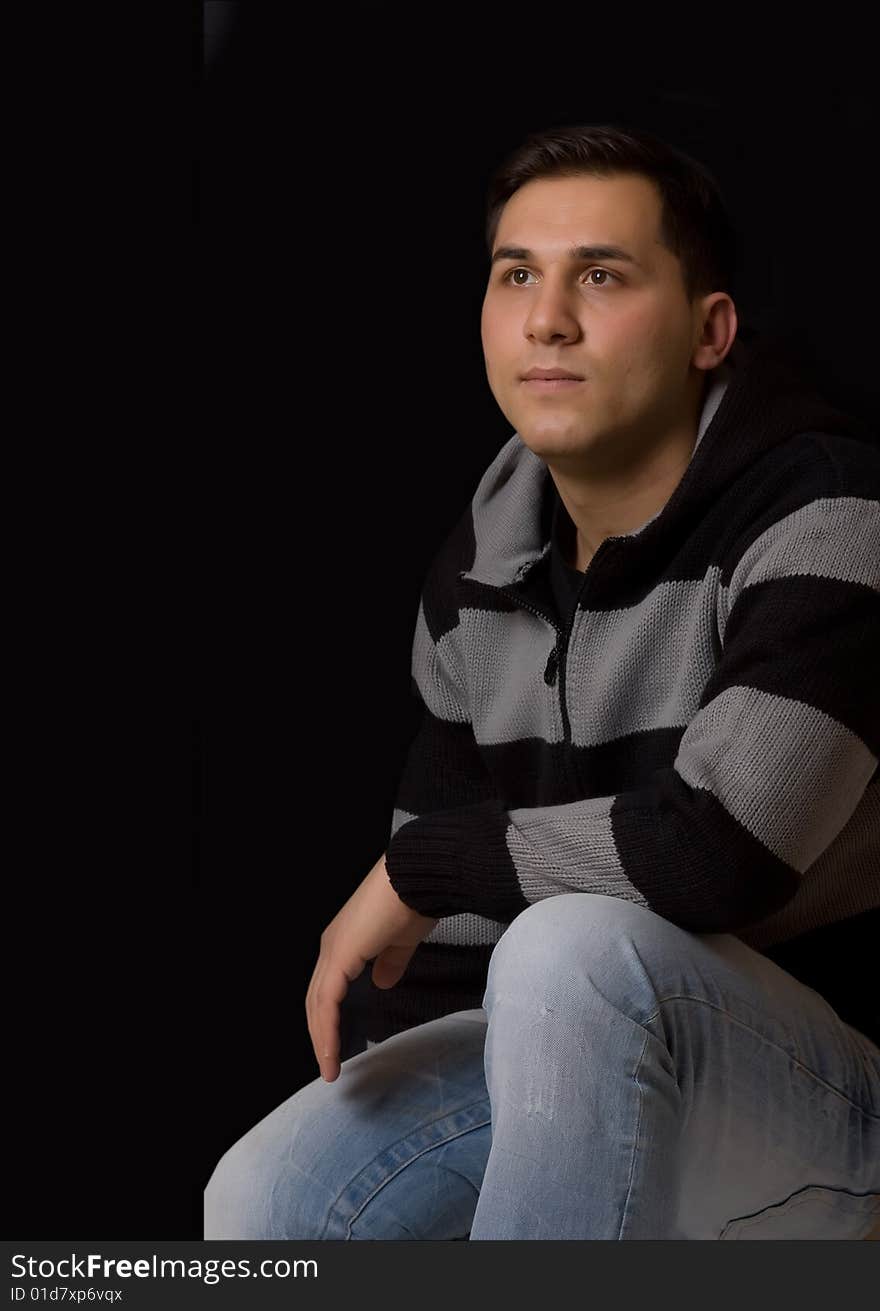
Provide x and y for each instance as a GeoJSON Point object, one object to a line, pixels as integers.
{"type": "Point", "coordinates": [621, 931]}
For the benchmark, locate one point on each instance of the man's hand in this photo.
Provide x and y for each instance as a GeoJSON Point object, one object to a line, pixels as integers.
{"type": "Point", "coordinates": [374, 922]}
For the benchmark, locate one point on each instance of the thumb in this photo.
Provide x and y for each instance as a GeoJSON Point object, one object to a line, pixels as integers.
{"type": "Point", "coordinates": [390, 966]}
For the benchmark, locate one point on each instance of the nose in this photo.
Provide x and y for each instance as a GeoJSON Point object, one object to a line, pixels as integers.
{"type": "Point", "coordinates": [550, 315]}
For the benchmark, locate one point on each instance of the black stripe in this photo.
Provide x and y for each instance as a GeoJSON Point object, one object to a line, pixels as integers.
{"type": "Point", "coordinates": [440, 591]}
{"type": "Point", "coordinates": [684, 543]}
{"type": "Point", "coordinates": [532, 772]}
{"type": "Point", "coordinates": [695, 864]}
{"type": "Point", "coordinates": [814, 639]}
{"type": "Point", "coordinates": [443, 768]}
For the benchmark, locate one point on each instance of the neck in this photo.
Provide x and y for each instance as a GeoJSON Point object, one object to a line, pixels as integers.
{"type": "Point", "coordinates": [618, 500]}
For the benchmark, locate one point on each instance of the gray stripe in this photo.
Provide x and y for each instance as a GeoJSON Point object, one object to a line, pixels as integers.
{"type": "Point", "coordinates": [505, 654]}
{"type": "Point", "coordinates": [627, 671]}
{"type": "Point", "coordinates": [505, 510]}
{"type": "Point", "coordinates": [435, 668]}
{"type": "Point", "coordinates": [568, 848]}
{"type": "Point", "coordinates": [841, 883]}
{"type": "Point", "coordinates": [398, 819]}
{"type": "Point", "coordinates": [467, 930]}
{"type": "Point", "coordinates": [644, 667]}
{"type": "Point", "coordinates": [835, 537]}
{"type": "Point", "coordinates": [789, 773]}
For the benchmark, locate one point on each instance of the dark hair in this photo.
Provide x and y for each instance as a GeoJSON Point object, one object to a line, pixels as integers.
{"type": "Point", "coordinates": [694, 224]}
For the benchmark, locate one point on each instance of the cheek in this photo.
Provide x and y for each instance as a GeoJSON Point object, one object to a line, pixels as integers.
{"type": "Point", "coordinates": [639, 351]}
{"type": "Point", "coordinates": [496, 347]}
{"type": "Point", "coordinates": [496, 326]}
{"type": "Point", "coordinates": [488, 329]}
{"type": "Point", "coordinates": [632, 336]}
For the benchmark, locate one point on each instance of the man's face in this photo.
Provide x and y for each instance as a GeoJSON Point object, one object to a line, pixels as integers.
{"type": "Point", "coordinates": [627, 329]}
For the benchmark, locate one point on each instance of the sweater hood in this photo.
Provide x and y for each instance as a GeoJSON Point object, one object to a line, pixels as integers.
{"type": "Point", "coordinates": [755, 400]}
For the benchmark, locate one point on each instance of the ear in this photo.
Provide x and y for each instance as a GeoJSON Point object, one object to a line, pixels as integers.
{"type": "Point", "coordinates": [715, 329]}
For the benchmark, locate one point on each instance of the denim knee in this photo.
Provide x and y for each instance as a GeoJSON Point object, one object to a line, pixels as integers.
{"type": "Point", "coordinates": [257, 1187]}
{"type": "Point", "coordinates": [237, 1191]}
{"type": "Point", "coordinates": [570, 943]}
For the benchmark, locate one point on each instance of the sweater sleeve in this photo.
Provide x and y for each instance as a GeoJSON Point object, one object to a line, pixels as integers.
{"type": "Point", "coordinates": [768, 771]}
{"type": "Point", "coordinates": [443, 770]}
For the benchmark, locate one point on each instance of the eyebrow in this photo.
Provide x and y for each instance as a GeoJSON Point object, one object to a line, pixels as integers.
{"type": "Point", "coordinates": [574, 253]}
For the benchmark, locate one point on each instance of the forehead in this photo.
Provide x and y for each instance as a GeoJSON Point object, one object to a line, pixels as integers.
{"type": "Point", "coordinates": [548, 215]}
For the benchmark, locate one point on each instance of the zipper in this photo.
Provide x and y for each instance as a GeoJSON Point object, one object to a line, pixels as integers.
{"type": "Point", "coordinates": [555, 665]}
{"type": "Point", "coordinates": [553, 658]}
{"type": "Point", "coordinates": [562, 652]}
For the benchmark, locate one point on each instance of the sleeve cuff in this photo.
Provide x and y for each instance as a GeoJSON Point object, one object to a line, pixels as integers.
{"type": "Point", "coordinates": [450, 862]}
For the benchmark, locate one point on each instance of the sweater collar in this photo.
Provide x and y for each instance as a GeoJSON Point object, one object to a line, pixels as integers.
{"type": "Point", "coordinates": [753, 401]}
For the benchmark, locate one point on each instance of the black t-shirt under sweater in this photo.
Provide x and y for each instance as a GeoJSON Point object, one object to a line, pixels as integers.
{"type": "Point", "coordinates": [565, 580]}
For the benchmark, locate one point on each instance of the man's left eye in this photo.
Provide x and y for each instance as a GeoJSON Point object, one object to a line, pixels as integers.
{"type": "Point", "coordinates": [603, 271]}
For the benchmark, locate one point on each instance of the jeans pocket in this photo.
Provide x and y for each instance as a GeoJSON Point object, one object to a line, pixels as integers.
{"type": "Point", "coordinates": [812, 1212]}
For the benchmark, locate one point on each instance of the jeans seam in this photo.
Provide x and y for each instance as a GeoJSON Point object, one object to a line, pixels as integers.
{"type": "Point", "coordinates": [795, 1060]}
{"type": "Point", "coordinates": [635, 1152]}
{"type": "Point", "coordinates": [404, 1164]}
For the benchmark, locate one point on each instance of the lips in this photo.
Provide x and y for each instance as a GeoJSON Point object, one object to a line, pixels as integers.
{"type": "Point", "coordinates": [551, 375]}
{"type": "Point", "coordinates": [551, 386]}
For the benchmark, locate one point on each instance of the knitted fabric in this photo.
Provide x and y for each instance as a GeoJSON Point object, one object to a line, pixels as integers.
{"type": "Point", "coordinates": [691, 724]}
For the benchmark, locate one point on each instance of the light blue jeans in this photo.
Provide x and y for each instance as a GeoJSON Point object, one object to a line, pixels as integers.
{"type": "Point", "coordinates": [624, 1078]}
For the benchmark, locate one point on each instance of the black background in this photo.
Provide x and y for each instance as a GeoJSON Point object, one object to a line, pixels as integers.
{"type": "Point", "coordinates": [343, 420]}
{"type": "Point", "coordinates": [348, 267]}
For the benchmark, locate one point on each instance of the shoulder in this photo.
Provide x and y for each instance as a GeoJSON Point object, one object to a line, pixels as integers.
{"type": "Point", "coordinates": [838, 464]}
{"type": "Point", "coordinates": [823, 522]}
{"type": "Point", "coordinates": [813, 485]}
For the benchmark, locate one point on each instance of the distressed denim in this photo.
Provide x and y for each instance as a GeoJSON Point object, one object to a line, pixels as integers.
{"type": "Point", "coordinates": [624, 1078]}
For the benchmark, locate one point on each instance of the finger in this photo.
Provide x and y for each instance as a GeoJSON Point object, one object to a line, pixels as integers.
{"type": "Point", "coordinates": [321, 1028]}
{"type": "Point", "coordinates": [390, 965]}
{"type": "Point", "coordinates": [328, 998]}
{"type": "Point", "coordinates": [311, 1016]}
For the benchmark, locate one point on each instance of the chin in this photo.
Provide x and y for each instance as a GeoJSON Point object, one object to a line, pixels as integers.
{"type": "Point", "coordinates": [555, 440]}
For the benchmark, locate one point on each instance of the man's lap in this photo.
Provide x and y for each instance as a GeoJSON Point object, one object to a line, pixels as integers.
{"type": "Point", "coordinates": [397, 1145]}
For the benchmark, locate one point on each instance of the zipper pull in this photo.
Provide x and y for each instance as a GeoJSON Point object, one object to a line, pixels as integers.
{"type": "Point", "coordinates": [551, 666]}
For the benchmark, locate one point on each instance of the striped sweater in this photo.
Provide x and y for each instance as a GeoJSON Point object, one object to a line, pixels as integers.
{"type": "Point", "coordinates": [691, 724]}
